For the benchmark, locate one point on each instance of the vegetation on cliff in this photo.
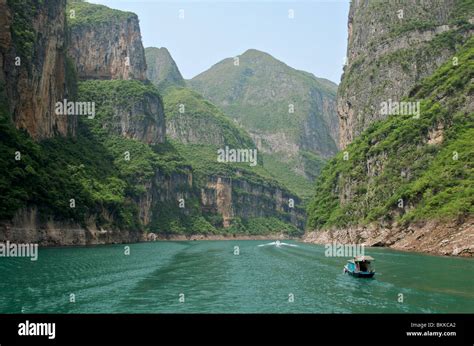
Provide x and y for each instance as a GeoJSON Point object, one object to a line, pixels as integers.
{"type": "Point", "coordinates": [23, 32]}
{"type": "Point", "coordinates": [50, 173]}
{"type": "Point", "coordinates": [81, 13]}
{"type": "Point", "coordinates": [201, 155]}
{"type": "Point", "coordinates": [212, 130]}
{"type": "Point", "coordinates": [403, 168]}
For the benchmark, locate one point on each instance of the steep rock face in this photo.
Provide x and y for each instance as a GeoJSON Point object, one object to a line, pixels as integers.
{"type": "Point", "coordinates": [406, 181]}
{"type": "Point", "coordinates": [225, 190]}
{"type": "Point", "coordinates": [127, 108]}
{"type": "Point", "coordinates": [201, 128]}
{"type": "Point", "coordinates": [252, 200]}
{"type": "Point", "coordinates": [117, 198]}
{"type": "Point", "coordinates": [105, 43]}
{"type": "Point", "coordinates": [33, 74]}
{"type": "Point", "coordinates": [391, 47]}
{"type": "Point", "coordinates": [28, 226]}
{"type": "Point", "coordinates": [173, 187]}
{"type": "Point", "coordinates": [161, 68]}
{"type": "Point", "coordinates": [219, 196]}
{"type": "Point", "coordinates": [233, 198]}
{"type": "Point", "coordinates": [145, 121]}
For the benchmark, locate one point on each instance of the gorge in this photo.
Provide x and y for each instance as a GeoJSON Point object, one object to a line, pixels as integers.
{"type": "Point", "coordinates": [330, 164]}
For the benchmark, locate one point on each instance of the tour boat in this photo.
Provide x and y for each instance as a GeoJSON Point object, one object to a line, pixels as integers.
{"type": "Point", "coordinates": [360, 266]}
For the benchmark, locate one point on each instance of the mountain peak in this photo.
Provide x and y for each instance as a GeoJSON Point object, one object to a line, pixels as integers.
{"type": "Point", "coordinates": [162, 50]}
{"type": "Point", "coordinates": [254, 56]}
{"type": "Point", "coordinates": [162, 70]}
{"type": "Point", "coordinates": [253, 51]}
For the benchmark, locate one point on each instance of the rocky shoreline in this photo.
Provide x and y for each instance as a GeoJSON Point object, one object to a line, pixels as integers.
{"type": "Point", "coordinates": [437, 237]}
{"type": "Point", "coordinates": [59, 234]}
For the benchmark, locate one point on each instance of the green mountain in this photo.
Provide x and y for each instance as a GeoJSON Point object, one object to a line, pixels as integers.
{"type": "Point", "coordinates": [289, 114]}
{"type": "Point", "coordinates": [404, 169]}
{"type": "Point", "coordinates": [161, 68]}
{"type": "Point", "coordinates": [269, 98]}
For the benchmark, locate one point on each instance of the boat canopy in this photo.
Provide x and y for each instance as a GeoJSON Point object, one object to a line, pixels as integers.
{"type": "Point", "coordinates": [363, 259]}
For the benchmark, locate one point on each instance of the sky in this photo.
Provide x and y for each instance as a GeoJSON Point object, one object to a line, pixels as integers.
{"type": "Point", "coordinates": [200, 33]}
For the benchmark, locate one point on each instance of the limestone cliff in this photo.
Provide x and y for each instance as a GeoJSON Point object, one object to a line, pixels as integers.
{"type": "Point", "coordinates": [128, 108]}
{"type": "Point", "coordinates": [218, 201]}
{"type": "Point", "coordinates": [33, 71]}
{"type": "Point", "coordinates": [29, 226]}
{"type": "Point", "coordinates": [105, 43]}
{"type": "Point", "coordinates": [406, 181]}
{"type": "Point", "coordinates": [392, 45]}
{"type": "Point", "coordinates": [231, 193]}
{"type": "Point", "coordinates": [239, 198]}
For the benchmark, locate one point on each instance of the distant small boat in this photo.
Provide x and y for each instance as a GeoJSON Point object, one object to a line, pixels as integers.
{"type": "Point", "coordinates": [360, 266]}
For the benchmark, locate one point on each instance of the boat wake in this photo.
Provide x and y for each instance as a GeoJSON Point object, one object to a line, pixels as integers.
{"type": "Point", "coordinates": [278, 244]}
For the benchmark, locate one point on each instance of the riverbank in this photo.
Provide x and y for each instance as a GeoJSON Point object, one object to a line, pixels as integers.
{"type": "Point", "coordinates": [447, 238]}
{"type": "Point", "coordinates": [192, 237]}
{"type": "Point", "coordinates": [63, 234]}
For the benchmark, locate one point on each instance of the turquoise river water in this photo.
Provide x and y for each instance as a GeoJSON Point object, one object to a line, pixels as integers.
{"type": "Point", "coordinates": [207, 277]}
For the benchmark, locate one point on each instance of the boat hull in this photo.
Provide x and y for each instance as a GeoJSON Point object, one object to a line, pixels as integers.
{"type": "Point", "coordinates": [362, 275]}
{"type": "Point", "coordinates": [366, 275]}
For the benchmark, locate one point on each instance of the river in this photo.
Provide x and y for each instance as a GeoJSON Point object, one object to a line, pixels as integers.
{"type": "Point", "coordinates": [207, 277]}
